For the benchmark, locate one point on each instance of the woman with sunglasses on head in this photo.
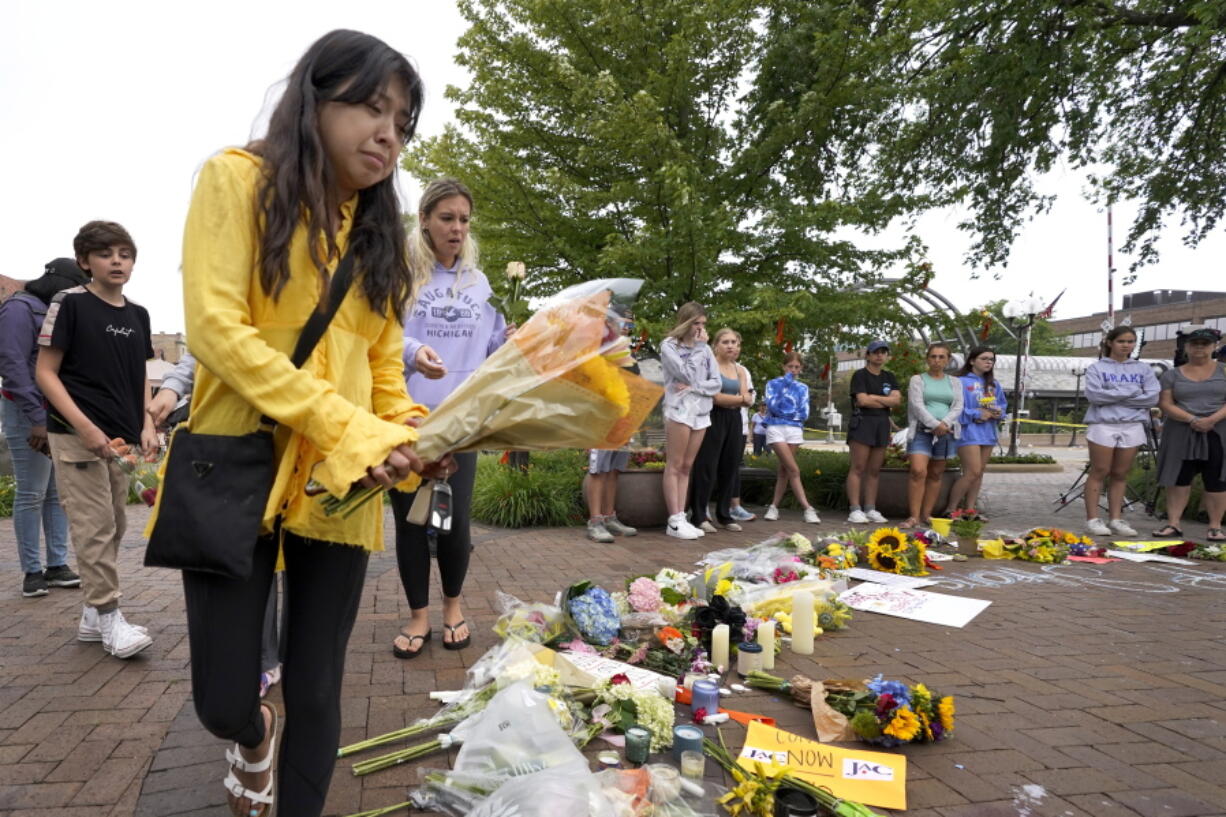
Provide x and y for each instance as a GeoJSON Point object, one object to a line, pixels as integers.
{"type": "Point", "coordinates": [1193, 400]}
{"type": "Point", "coordinates": [934, 404]}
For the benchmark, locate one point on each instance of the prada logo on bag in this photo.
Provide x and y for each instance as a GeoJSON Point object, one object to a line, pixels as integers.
{"type": "Point", "coordinates": [202, 468]}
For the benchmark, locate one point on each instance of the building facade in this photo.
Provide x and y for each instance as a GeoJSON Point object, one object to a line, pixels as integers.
{"type": "Point", "coordinates": [1156, 315]}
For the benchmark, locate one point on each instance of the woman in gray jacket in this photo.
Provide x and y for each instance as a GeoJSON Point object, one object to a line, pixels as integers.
{"type": "Point", "coordinates": [1121, 392]}
{"type": "Point", "coordinates": [934, 403]}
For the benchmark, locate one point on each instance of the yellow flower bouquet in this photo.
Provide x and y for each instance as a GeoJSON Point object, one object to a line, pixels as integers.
{"type": "Point", "coordinates": [561, 381]}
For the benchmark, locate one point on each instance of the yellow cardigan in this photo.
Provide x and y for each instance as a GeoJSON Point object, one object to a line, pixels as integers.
{"type": "Point", "coordinates": [343, 411]}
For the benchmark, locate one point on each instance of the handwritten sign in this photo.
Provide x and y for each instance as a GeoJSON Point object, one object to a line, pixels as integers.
{"type": "Point", "coordinates": [917, 605]}
{"type": "Point", "coordinates": [872, 778]}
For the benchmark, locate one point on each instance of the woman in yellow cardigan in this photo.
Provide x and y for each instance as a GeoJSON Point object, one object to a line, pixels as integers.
{"type": "Point", "coordinates": [266, 229]}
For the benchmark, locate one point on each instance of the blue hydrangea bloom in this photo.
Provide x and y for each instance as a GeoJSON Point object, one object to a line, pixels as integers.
{"type": "Point", "coordinates": [595, 613]}
{"type": "Point", "coordinates": [899, 690]}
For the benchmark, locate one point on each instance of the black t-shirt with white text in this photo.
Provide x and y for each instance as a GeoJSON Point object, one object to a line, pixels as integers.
{"type": "Point", "coordinates": [865, 382]}
{"type": "Point", "coordinates": [105, 348]}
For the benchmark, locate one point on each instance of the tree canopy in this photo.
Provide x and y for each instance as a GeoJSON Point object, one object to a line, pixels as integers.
{"type": "Point", "coordinates": [624, 138]}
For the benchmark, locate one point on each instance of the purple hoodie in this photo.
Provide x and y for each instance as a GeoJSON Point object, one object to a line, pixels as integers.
{"type": "Point", "coordinates": [462, 327]}
{"type": "Point", "coordinates": [21, 318]}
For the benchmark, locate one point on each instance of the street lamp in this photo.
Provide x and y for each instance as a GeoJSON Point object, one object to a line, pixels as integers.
{"type": "Point", "coordinates": [1077, 373]}
{"type": "Point", "coordinates": [1028, 307]}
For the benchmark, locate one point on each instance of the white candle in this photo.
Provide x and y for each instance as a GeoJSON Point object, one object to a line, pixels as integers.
{"type": "Point", "coordinates": [766, 637]}
{"type": "Point", "coordinates": [719, 646]}
{"type": "Point", "coordinates": [802, 623]}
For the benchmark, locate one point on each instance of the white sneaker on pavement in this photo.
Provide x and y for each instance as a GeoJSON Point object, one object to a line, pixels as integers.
{"type": "Point", "coordinates": [678, 528]}
{"type": "Point", "coordinates": [875, 517]}
{"type": "Point", "coordinates": [772, 513]}
{"type": "Point", "coordinates": [811, 515]}
{"type": "Point", "coordinates": [857, 518]}
{"type": "Point", "coordinates": [707, 527]}
{"type": "Point", "coordinates": [734, 527]}
{"type": "Point", "coordinates": [1121, 527]}
{"type": "Point", "coordinates": [1097, 527]}
{"type": "Point", "coordinates": [120, 638]}
{"type": "Point", "coordinates": [88, 628]}
{"type": "Point", "coordinates": [597, 532]}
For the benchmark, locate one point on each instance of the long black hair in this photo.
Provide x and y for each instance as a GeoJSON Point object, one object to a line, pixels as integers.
{"type": "Point", "coordinates": [989, 379]}
{"type": "Point", "coordinates": [341, 66]}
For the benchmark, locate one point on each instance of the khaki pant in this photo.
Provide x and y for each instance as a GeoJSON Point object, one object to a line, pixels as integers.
{"type": "Point", "coordinates": [95, 497]}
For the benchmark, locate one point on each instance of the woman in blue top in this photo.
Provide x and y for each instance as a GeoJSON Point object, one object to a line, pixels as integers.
{"type": "Point", "coordinates": [934, 404]}
{"type": "Point", "coordinates": [983, 404]}
{"type": "Point", "coordinates": [787, 408]}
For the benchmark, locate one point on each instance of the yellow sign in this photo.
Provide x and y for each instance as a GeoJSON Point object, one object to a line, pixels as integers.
{"type": "Point", "coordinates": [1145, 547]}
{"type": "Point", "coordinates": [872, 778]}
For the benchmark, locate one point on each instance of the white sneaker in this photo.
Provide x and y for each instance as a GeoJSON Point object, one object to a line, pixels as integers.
{"type": "Point", "coordinates": [772, 513]}
{"type": "Point", "coordinates": [857, 518]}
{"type": "Point", "coordinates": [88, 628]}
{"type": "Point", "coordinates": [811, 515]}
{"type": "Point", "coordinates": [1121, 527]}
{"type": "Point", "coordinates": [707, 527]}
{"type": "Point", "coordinates": [734, 527]}
{"type": "Point", "coordinates": [1097, 527]}
{"type": "Point", "coordinates": [678, 528]}
{"type": "Point", "coordinates": [875, 517]}
{"type": "Point", "coordinates": [695, 529]}
{"type": "Point", "coordinates": [120, 638]}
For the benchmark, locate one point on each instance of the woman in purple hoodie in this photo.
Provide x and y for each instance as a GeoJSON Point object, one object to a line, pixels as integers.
{"type": "Point", "coordinates": [1121, 391]}
{"type": "Point", "coordinates": [449, 330]}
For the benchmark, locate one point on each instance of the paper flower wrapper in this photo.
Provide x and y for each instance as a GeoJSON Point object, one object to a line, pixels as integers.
{"type": "Point", "coordinates": [559, 382]}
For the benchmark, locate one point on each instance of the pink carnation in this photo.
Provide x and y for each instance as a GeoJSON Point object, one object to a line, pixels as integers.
{"type": "Point", "coordinates": [644, 595]}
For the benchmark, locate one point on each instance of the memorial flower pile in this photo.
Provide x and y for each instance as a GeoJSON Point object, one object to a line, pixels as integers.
{"type": "Point", "coordinates": [594, 612]}
{"type": "Point", "coordinates": [621, 706]}
{"type": "Point", "coordinates": [1211, 552]}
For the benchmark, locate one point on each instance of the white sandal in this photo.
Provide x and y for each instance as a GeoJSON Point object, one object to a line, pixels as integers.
{"type": "Point", "coordinates": [262, 799]}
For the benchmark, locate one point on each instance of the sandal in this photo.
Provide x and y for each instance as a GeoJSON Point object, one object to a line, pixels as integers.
{"type": "Point", "coordinates": [262, 800]}
{"type": "Point", "coordinates": [1215, 535]}
{"type": "Point", "coordinates": [453, 644]}
{"type": "Point", "coordinates": [1168, 531]}
{"type": "Point", "coordinates": [406, 654]}
{"type": "Point", "coordinates": [911, 522]}
{"type": "Point", "coordinates": [269, 679]}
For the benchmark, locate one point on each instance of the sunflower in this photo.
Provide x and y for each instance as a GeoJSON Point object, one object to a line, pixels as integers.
{"type": "Point", "coordinates": [888, 539]}
{"type": "Point", "coordinates": [884, 560]}
{"type": "Point", "coordinates": [945, 709]}
{"type": "Point", "coordinates": [904, 725]}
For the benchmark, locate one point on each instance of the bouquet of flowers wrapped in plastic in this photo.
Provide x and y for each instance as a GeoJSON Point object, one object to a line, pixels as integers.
{"type": "Point", "coordinates": [561, 381]}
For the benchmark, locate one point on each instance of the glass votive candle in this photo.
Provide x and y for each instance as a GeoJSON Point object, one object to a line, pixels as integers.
{"type": "Point", "coordinates": [686, 737]}
{"type": "Point", "coordinates": [638, 744]}
{"type": "Point", "coordinates": [693, 764]}
{"type": "Point", "coordinates": [748, 658]}
{"type": "Point", "coordinates": [704, 695]}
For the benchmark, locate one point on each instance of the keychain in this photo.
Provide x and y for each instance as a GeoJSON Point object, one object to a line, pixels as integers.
{"type": "Point", "coordinates": [439, 520]}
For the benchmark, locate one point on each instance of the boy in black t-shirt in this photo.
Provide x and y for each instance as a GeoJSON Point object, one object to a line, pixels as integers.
{"type": "Point", "coordinates": [874, 392]}
{"type": "Point", "coordinates": [91, 368]}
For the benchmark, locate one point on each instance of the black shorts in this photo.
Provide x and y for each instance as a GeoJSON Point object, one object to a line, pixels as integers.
{"type": "Point", "coordinates": [1210, 470]}
{"type": "Point", "coordinates": [872, 430]}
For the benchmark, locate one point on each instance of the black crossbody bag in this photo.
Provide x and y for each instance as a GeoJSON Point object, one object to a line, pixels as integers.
{"type": "Point", "coordinates": [216, 486]}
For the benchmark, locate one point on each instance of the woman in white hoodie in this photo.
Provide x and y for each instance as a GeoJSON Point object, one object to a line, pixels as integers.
{"type": "Point", "coordinates": [1121, 392]}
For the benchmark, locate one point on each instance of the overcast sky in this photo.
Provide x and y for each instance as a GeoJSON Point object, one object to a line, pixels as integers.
{"type": "Point", "coordinates": [110, 108]}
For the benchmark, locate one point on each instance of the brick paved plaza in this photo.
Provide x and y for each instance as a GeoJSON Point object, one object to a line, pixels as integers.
{"type": "Point", "coordinates": [1081, 690]}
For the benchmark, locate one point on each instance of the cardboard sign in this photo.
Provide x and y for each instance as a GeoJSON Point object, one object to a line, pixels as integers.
{"type": "Point", "coordinates": [872, 778]}
{"type": "Point", "coordinates": [918, 605]}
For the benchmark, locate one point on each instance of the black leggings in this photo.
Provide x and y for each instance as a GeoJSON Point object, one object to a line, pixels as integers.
{"type": "Point", "coordinates": [323, 587]}
{"type": "Point", "coordinates": [413, 545]}
{"type": "Point", "coordinates": [717, 463]}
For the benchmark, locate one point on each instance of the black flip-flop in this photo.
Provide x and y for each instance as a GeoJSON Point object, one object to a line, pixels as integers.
{"type": "Point", "coordinates": [1168, 530]}
{"type": "Point", "coordinates": [410, 652]}
{"type": "Point", "coordinates": [1215, 535]}
{"type": "Point", "coordinates": [453, 644]}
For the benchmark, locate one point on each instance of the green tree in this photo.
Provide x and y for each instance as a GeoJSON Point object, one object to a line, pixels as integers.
{"type": "Point", "coordinates": [617, 138]}
{"type": "Point", "coordinates": [965, 102]}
